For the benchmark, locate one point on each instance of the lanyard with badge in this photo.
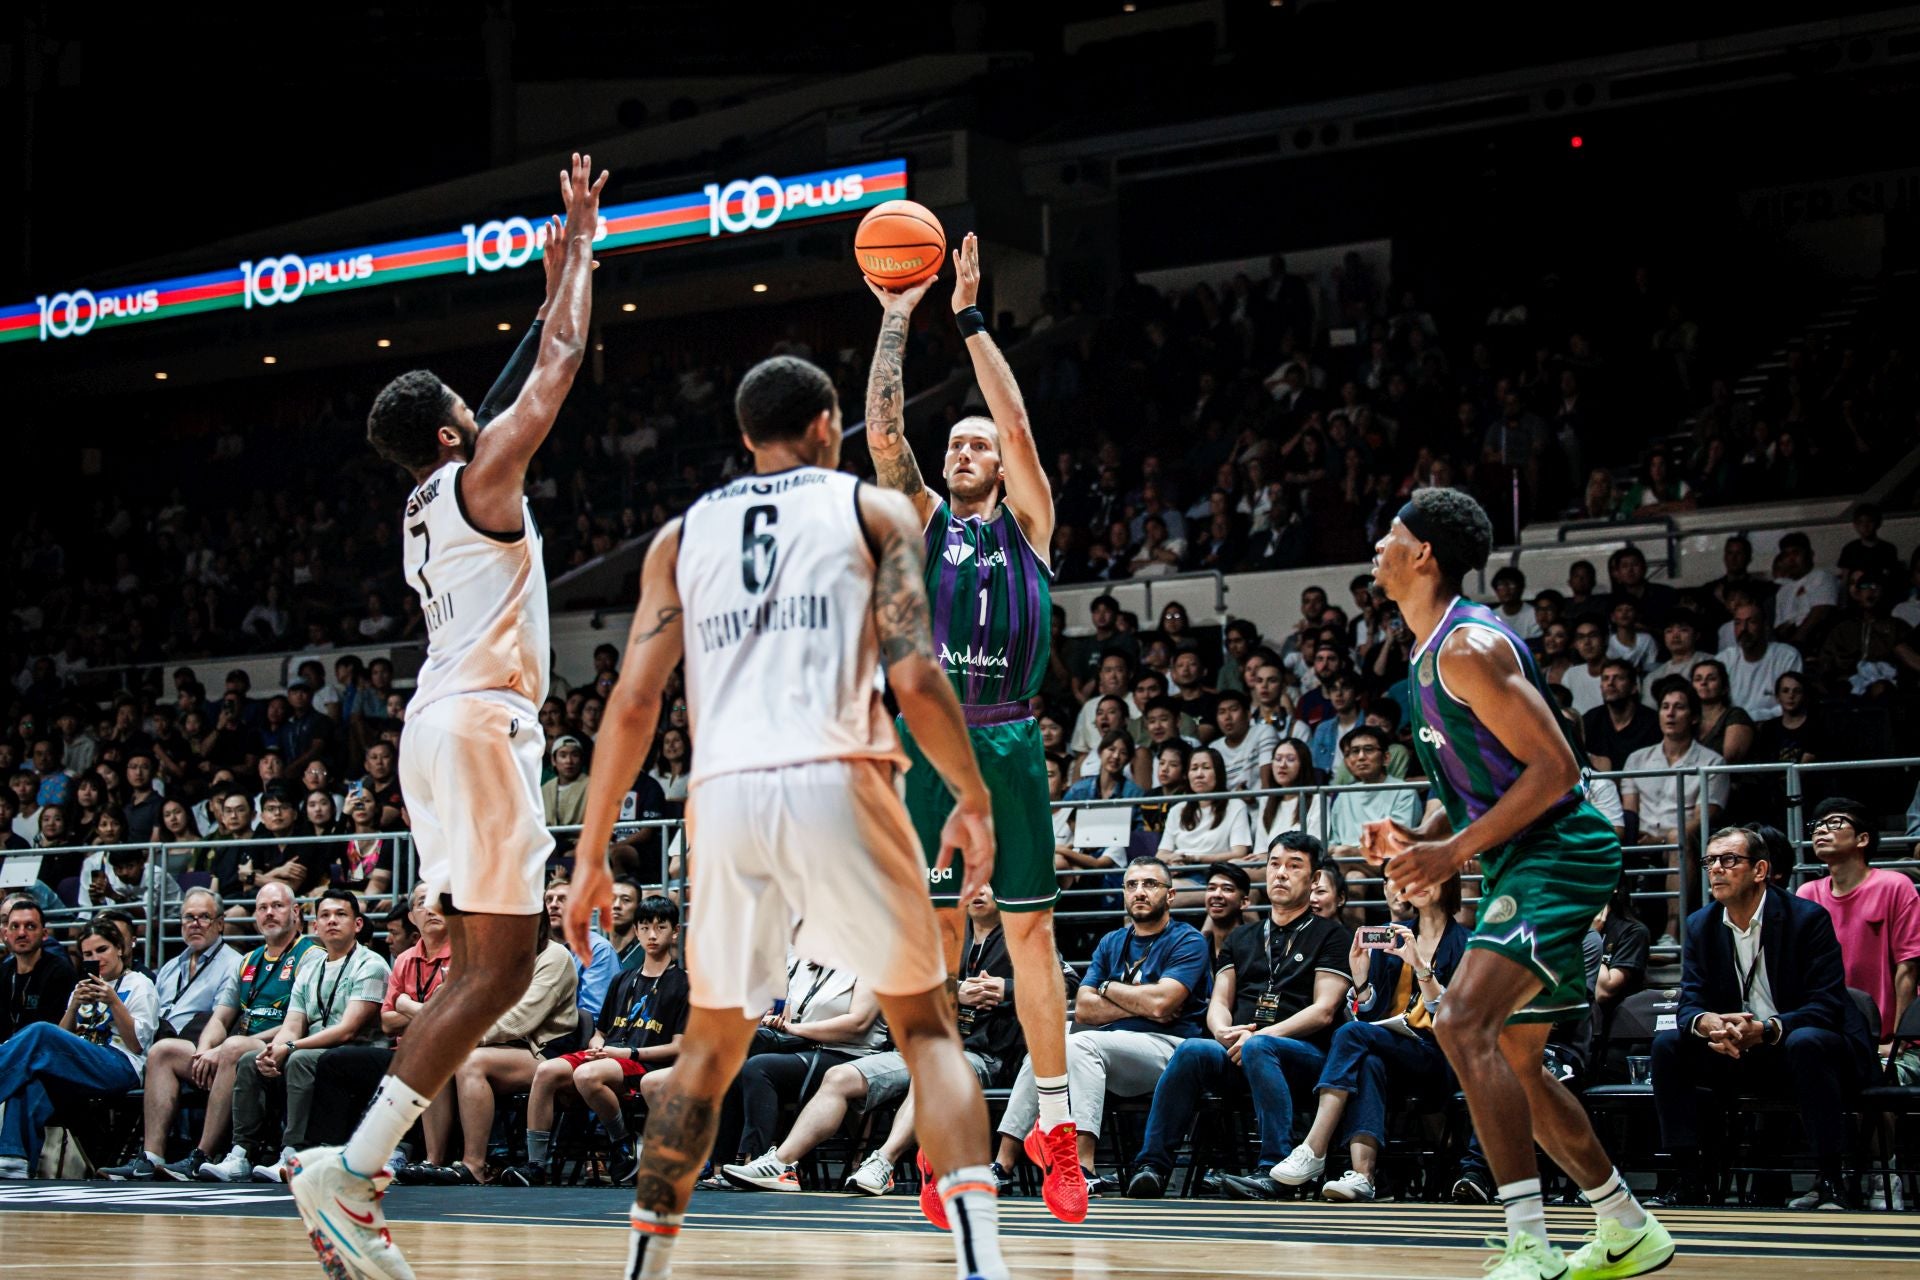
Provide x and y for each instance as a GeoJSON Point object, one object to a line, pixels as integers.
{"type": "Point", "coordinates": [1266, 1009]}
{"type": "Point", "coordinates": [326, 1001]}
{"type": "Point", "coordinates": [1753, 972]}
{"type": "Point", "coordinates": [967, 1013]}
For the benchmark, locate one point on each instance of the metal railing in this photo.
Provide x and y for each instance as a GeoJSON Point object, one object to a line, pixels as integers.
{"type": "Point", "coordinates": [1091, 893]}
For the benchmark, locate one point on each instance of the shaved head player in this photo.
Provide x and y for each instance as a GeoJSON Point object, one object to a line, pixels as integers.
{"type": "Point", "coordinates": [1509, 780]}
{"type": "Point", "coordinates": [792, 811]}
{"type": "Point", "coordinates": [470, 754]}
{"type": "Point", "coordinates": [991, 592]}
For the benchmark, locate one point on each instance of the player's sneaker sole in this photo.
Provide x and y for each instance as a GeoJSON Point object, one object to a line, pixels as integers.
{"type": "Point", "coordinates": [1601, 1259]}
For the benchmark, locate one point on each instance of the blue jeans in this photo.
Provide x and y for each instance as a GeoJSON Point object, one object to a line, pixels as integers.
{"type": "Point", "coordinates": [39, 1053]}
{"type": "Point", "coordinates": [1364, 1057]}
{"type": "Point", "coordinates": [1198, 1065]}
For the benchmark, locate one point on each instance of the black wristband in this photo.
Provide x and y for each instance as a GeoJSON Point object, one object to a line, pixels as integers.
{"type": "Point", "coordinates": [971, 320]}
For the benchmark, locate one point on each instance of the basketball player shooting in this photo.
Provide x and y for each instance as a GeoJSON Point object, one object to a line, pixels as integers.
{"type": "Point", "coordinates": [1509, 780]}
{"type": "Point", "coordinates": [471, 750]}
{"type": "Point", "coordinates": [785, 590]}
{"type": "Point", "coordinates": [988, 578]}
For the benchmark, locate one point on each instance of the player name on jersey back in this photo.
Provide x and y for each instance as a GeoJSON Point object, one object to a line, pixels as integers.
{"type": "Point", "coordinates": [483, 595]}
{"type": "Point", "coordinates": [782, 659]}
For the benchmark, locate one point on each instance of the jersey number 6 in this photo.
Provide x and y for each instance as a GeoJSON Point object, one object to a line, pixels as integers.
{"type": "Point", "coordinates": [756, 546]}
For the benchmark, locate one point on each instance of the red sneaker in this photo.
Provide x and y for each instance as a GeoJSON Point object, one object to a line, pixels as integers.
{"type": "Point", "coordinates": [930, 1203]}
{"type": "Point", "coordinates": [1057, 1152]}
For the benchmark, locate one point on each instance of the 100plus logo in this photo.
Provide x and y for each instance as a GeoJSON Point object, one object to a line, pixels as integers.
{"type": "Point", "coordinates": [763, 200]}
{"type": "Point", "coordinates": [272, 281]}
{"type": "Point", "coordinates": [70, 314]}
{"type": "Point", "coordinates": [505, 244]}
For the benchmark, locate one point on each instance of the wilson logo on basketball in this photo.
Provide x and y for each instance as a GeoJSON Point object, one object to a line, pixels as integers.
{"type": "Point", "coordinates": [886, 262]}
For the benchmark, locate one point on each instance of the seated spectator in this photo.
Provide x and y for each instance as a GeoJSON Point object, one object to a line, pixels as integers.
{"type": "Point", "coordinates": [1142, 995]}
{"type": "Point", "coordinates": [1273, 705]}
{"type": "Point", "coordinates": [564, 795]}
{"type": "Point", "coordinates": [383, 781]}
{"type": "Point", "coordinates": [302, 867]}
{"type": "Point", "coordinates": [1865, 651]}
{"type": "Point", "coordinates": [1228, 889]}
{"type": "Point", "coordinates": [1201, 834]}
{"type": "Point", "coordinates": [828, 1017]}
{"type": "Point", "coordinates": [1190, 689]}
{"type": "Point", "coordinates": [1627, 641]}
{"type": "Point", "coordinates": [1805, 598]}
{"type": "Point", "coordinates": [1290, 765]}
{"type": "Point", "coordinates": [124, 876]}
{"type": "Point", "coordinates": [1243, 747]}
{"type": "Point", "coordinates": [1328, 900]}
{"type": "Point", "coordinates": [1582, 678]}
{"type": "Point", "coordinates": [99, 1046]}
{"type": "Point", "coordinates": [1557, 656]}
{"type": "Point", "coordinates": [1365, 751]}
{"type": "Point", "coordinates": [1868, 551]}
{"type": "Point", "coordinates": [1876, 914]}
{"type": "Point", "coordinates": [1276, 998]}
{"type": "Point", "coordinates": [1162, 720]}
{"type": "Point", "coordinates": [1774, 1019]}
{"type": "Point", "coordinates": [1343, 699]}
{"type": "Point", "coordinates": [36, 976]}
{"type": "Point", "coordinates": [990, 1037]}
{"type": "Point", "coordinates": [1624, 944]}
{"type": "Point", "coordinates": [1114, 781]}
{"type": "Point", "coordinates": [1314, 705]}
{"type": "Point", "coordinates": [638, 1031]}
{"type": "Point", "coordinates": [350, 1074]}
{"type": "Point", "coordinates": [1668, 805]}
{"type": "Point", "coordinates": [1653, 601]}
{"type": "Point", "coordinates": [1159, 552]}
{"type": "Point", "coordinates": [626, 935]}
{"type": "Point", "coordinates": [333, 1003]}
{"type": "Point", "coordinates": [1725, 729]}
{"type": "Point", "coordinates": [1170, 782]}
{"type": "Point", "coordinates": [1754, 663]}
{"type": "Point", "coordinates": [249, 1004]}
{"type": "Point", "coordinates": [1400, 762]}
{"type": "Point", "coordinates": [508, 1054]}
{"type": "Point", "coordinates": [590, 981]}
{"type": "Point", "coordinates": [1390, 1050]}
{"type": "Point", "coordinates": [1682, 638]}
{"type": "Point", "coordinates": [1511, 606]}
{"type": "Point", "coordinates": [1622, 724]}
{"type": "Point", "coordinates": [673, 765]}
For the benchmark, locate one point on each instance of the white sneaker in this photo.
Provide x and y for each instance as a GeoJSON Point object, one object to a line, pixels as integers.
{"type": "Point", "coordinates": [1349, 1187]}
{"type": "Point", "coordinates": [1301, 1165]}
{"type": "Point", "coordinates": [277, 1171]}
{"type": "Point", "coordinates": [765, 1174]}
{"type": "Point", "coordinates": [874, 1176]}
{"type": "Point", "coordinates": [1878, 1200]}
{"type": "Point", "coordinates": [235, 1168]}
{"type": "Point", "coordinates": [1523, 1257]}
{"type": "Point", "coordinates": [14, 1168]}
{"type": "Point", "coordinates": [343, 1217]}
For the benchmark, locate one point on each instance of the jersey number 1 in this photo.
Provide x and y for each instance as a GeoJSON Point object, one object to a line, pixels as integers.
{"type": "Point", "coordinates": [420, 531]}
{"type": "Point", "coordinates": [758, 551]}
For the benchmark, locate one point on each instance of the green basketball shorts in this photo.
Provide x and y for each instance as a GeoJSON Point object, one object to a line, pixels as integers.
{"type": "Point", "coordinates": [1538, 898]}
{"type": "Point", "coordinates": [1013, 765]}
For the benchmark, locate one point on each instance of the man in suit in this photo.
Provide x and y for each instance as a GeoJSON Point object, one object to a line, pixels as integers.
{"type": "Point", "coordinates": [1763, 1009]}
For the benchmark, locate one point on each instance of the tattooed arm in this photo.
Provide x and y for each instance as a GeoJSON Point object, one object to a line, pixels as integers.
{"type": "Point", "coordinates": [893, 461]}
{"type": "Point", "coordinates": [926, 698]}
{"type": "Point", "coordinates": [654, 645]}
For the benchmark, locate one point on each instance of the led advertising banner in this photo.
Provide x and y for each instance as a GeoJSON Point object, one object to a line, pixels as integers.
{"type": "Point", "coordinates": [738, 207]}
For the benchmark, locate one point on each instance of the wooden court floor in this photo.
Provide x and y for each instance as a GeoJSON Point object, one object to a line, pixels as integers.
{"type": "Point", "coordinates": [159, 1233]}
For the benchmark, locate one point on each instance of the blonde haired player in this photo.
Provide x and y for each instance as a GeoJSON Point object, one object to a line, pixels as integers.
{"type": "Point", "coordinates": [470, 755]}
{"type": "Point", "coordinates": [786, 590]}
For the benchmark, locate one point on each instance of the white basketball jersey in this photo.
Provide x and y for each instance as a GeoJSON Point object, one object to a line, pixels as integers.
{"type": "Point", "coordinates": [484, 596]}
{"type": "Point", "coordinates": [783, 658]}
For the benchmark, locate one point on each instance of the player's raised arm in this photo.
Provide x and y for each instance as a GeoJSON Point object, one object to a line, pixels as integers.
{"type": "Point", "coordinates": [893, 461]}
{"type": "Point", "coordinates": [654, 645]}
{"type": "Point", "coordinates": [491, 485]}
{"type": "Point", "coordinates": [506, 388]}
{"type": "Point", "coordinates": [920, 685]}
{"type": "Point", "coordinates": [1029, 492]}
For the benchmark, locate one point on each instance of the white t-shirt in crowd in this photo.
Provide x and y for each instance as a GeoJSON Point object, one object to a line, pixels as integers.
{"type": "Point", "coordinates": [93, 1022]}
{"type": "Point", "coordinates": [1585, 688]}
{"type": "Point", "coordinates": [1671, 667]}
{"type": "Point", "coordinates": [1243, 762]}
{"type": "Point", "coordinates": [1234, 828]}
{"type": "Point", "coordinates": [1290, 813]}
{"type": "Point", "coordinates": [1750, 684]}
{"type": "Point", "coordinates": [1525, 624]}
{"type": "Point", "coordinates": [1667, 801]}
{"type": "Point", "coordinates": [1798, 597]}
{"type": "Point", "coordinates": [1640, 653]}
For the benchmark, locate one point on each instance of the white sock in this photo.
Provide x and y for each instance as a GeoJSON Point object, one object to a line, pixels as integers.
{"type": "Point", "coordinates": [650, 1246]}
{"type": "Point", "coordinates": [1612, 1199]}
{"type": "Point", "coordinates": [1525, 1210]}
{"type": "Point", "coordinates": [394, 1108]}
{"type": "Point", "coordinates": [1052, 1091]}
{"type": "Point", "coordinates": [971, 1198]}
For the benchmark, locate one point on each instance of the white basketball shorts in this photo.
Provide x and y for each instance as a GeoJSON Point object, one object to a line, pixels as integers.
{"type": "Point", "coordinates": [821, 856]}
{"type": "Point", "coordinates": [470, 775]}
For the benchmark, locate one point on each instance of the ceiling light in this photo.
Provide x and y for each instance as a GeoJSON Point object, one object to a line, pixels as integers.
{"type": "Point", "coordinates": [269, 359]}
{"type": "Point", "coordinates": [759, 288]}
{"type": "Point", "coordinates": [503, 326]}
{"type": "Point", "coordinates": [599, 346]}
{"type": "Point", "coordinates": [629, 306]}
{"type": "Point", "coordinates": [383, 342]}
{"type": "Point", "coordinates": [160, 375]}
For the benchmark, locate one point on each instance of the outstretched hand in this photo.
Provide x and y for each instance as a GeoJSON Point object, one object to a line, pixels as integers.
{"type": "Point", "coordinates": [553, 259]}
{"type": "Point", "coordinates": [966, 273]}
{"type": "Point", "coordinates": [580, 197]}
{"type": "Point", "coordinates": [901, 301]}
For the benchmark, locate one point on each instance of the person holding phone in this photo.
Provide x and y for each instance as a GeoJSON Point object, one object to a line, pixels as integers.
{"type": "Point", "coordinates": [1398, 980]}
{"type": "Point", "coordinates": [100, 1046]}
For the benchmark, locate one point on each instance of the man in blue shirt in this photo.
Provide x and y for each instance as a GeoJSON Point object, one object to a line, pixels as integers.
{"type": "Point", "coordinates": [594, 978]}
{"type": "Point", "coordinates": [1144, 993]}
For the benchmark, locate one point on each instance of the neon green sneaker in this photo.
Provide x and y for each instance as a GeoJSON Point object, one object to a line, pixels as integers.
{"type": "Point", "coordinates": [1523, 1257]}
{"type": "Point", "coordinates": [1612, 1251]}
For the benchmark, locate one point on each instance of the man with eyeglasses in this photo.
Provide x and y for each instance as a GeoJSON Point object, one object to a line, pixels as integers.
{"type": "Point", "coordinates": [1875, 912]}
{"type": "Point", "coordinates": [246, 1004]}
{"type": "Point", "coordinates": [1112, 681]}
{"type": "Point", "coordinates": [1365, 751]}
{"type": "Point", "coordinates": [1763, 1009]}
{"type": "Point", "coordinates": [1583, 682]}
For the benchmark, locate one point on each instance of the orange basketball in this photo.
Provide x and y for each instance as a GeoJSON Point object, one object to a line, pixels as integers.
{"type": "Point", "coordinates": [899, 244]}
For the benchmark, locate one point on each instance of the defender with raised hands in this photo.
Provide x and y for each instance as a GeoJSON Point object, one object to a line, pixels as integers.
{"type": "Point", "coordinates": [991, 592]}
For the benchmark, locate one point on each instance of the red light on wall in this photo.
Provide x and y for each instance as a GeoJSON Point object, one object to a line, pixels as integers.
{"type": "Point", "coordinates": [1576, 142]}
